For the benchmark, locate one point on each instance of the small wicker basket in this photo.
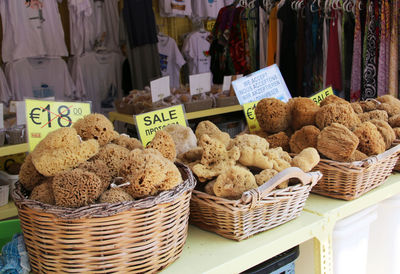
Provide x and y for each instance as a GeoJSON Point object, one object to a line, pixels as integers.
{"type": "Point", "coordinates": [258, 209]}
{"type": "Point", "coordinates": [348, 181]}
{"type": "Point", "coordinates": [142, 236]}
{"type": "Point", "coordinates": [397, 166]}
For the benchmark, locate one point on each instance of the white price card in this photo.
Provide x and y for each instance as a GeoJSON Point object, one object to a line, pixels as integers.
{"type": "Point", "coordinates": [19, 108]}
{"type": "Point", "coordinates": [265, 83]}
{"type": "Point", "coordinates": [160, 89]}
{"type": "Point", "coordinates": [228, 81]}
{"type": "Point", "coordinates": [200, 83]}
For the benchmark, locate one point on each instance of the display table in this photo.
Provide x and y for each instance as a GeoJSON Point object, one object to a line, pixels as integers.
{"type": "Point", "coordinates": [115, 116]}
{"type": "Point", "coordinates": [13, 149]}
{"type": "Point", "coordinates": [206, 252]}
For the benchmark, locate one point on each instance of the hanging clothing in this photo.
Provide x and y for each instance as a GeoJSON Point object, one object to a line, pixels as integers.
{"type": "Point", "coordinates": [5, 92]}
{"type": "Point", "coordinates": [384, 49]}
{"type": "Point", "coordinates": [263, 34]}
{"type": "Point", "coordinates": [308, 78]}
{"type": "Point", "coordinates": [171, 59]}
{"type": "Point", "coordinates": [40, 78]}
{"type": "Point", "coordinates": [394, 50]}
{"type": "Point", "coordinates": [272, 36]}
{"type": "Point", "coordinates": [207, 9]}
{"type": "Point", "coordinates": [370, 52]}
{"type": "Point", "coordinates": [356, 69]}
{"type": "Point", "coordinates": [318, 57]}
{"type": "Point", "coordinates": [140, 24]}
{"type": "Point", "coordinates": [347, 44]}
{"type": "Point", "coordinates": [196, 49]}
{"type": "Point", "coordinates": [31, 28]}
{"type": "Point", "coordinates": [300, 54]}
{"type": "Point", "coordinates": [78, 11]}
{"type": "Point", "coordinates": [98, 79]}
{"type": "Point", "coordinates": [288, 62]}
{"type": "Point", "coordinates": [170, 8]}
{"type": "Point", "coordinates": [333, 66]}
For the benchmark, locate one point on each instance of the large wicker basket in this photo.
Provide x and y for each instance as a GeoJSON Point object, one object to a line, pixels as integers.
{"type": "Point", "coordinates": [257, 210]}
{"type": "Point", "coordinates": [141, 236]}
{"type": "Point", "coordinates": [397, 166]}
{"type": "Point", "coordinates": [348, 181]}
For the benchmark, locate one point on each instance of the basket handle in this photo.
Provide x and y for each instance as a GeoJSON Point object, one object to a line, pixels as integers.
{"type": "Point", "coordinates": [255, 195]}
{"type": "Point", "coordinates": [374, 159]}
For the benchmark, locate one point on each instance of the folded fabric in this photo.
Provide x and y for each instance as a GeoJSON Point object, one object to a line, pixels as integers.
{"type": "Point", "coordinates": [14, 258]}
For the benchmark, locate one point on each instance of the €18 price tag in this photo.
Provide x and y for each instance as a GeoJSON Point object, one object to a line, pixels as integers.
{"type": "Point", "coordinates": [250, 113]}
{"type": "Point", "coordinates": [43, 117]}
{"type": "Point", "coordinates": [149, 123]}
{"type": "Point", "coordinates": [321, 95]}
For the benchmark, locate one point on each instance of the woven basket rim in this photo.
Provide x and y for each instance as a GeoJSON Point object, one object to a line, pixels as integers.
{"type": "Point", "coordinates": [105, 209]}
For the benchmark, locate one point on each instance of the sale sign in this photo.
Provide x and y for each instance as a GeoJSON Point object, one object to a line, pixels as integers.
{"type": "Point", "coordinates": [43, 117]}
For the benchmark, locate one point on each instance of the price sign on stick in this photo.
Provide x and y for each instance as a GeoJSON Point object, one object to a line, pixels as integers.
{"type": "Point", "coordinates": [149, 123]}
{"type": "Point", "coordinates": [200, 83]}
{"type": "Point", "coordinates": [43, 117]}
{"type": "Point", "coordinates": [250, 113]}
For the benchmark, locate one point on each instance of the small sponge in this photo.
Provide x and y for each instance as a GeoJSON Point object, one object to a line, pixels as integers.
{"type": "Point", "coordinates": [273, 115]}
{"type": "Point", "coordinates": [265, 175]}
{"type": "Point", "coordinates": [100, 168]}
{"type": "Point", "coordinates": [28, 175]}
{"type": "Point", "coordinates": [43, 193]}
{"type": "Point", "coordinates": [207, 127]}
{"type": "Point", "coordinates": [307, 159]}
{"type": "Point", "coordinates": [184, 137]}
{"type": "Point", "coordinates": [115, 195]}
{"type": "Point", "coordinates": [127, 142]}
{"type": "Point", "coordinates": [113, 156]}
{"type": "Point", "coordinates": [96, 126]}
{"type": "Point", "coordinates": [164, 143]}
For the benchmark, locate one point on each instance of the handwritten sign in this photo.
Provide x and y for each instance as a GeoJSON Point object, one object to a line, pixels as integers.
{"type": "Point", "coordinates": [321, 95]}
{"type": "Point", "coordinates": [226, 85]}
{"type": "Point", "coordinates": [44, 117]}
{"type": "Point", "coordinates": [265, 83]}
{"type": "Point", "coordinates": [149, 123]}
{"type": "Point", "coordinates": [160, 89]}
{"type": "Point", "coordinates": [200, 83]}
{"type": "Point", "coordinates": [250, 113]}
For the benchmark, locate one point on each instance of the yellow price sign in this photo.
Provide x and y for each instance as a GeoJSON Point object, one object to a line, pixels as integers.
{"type": "Point", "coordinates": [149, 123]}
{"type": "Point", "coordinates": [210, 25]}
{"type": "Point", "coordinates": [250, 113]}
{"type": "Point", "coordinates": [43, 117]}
{"type": "Point", "coordinates": [321, 95]}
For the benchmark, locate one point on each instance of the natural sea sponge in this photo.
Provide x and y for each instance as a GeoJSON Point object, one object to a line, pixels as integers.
{"type": "Point", "coordinates": [252, 151]}
{"type": "Point", "coordinates": [307, 159]}
{"type": "Point", "coordinates": [184, 137]}
{"type": "Point", "coordinates": [273, 115]}
{"type": "Point", "coordinates": [113, 156]}
{"type": "Point", "coordinates": [336, 113]}
{"type": "Point", "coordinates": [394, 121]}
{"type": "Point", "coordinates": [357, 107]}
{"type": "Point", "coordinates": [96, 126]}
{"type": "Point", "coordinates": [209, 188]}
{"type": "Point", "coordinates": [390, 99]}
{"type": "Point", "coordinates": [115, 195]}
{"type": "Point", "coordinates": [127, 142]}
{"type": "Point", "coordinates": [368, 105]}
{"type": "Point", "coordinates": [101, 169]}
{"type": "Point", "coordinates": [76, 188]}
{"type": "Point", "coordinates": [209, 128]}
{"type": "Point", "coordinates": [390, 109]}
{"type": "Point", "coordinates": [357, 156]}
{"type": "Point", "coordinates": [333, 99]}
{"type": "Point", "coordinates": [51, 158]}
{"type": "Point", "coordinates": [28, 175]}
{"type": "Point", "coordinates": [304, 138]}
{"type": "Point", "coordinates": [149, 173]}
{"type": "Point", "coordinates": [337, 142]}
{"type": "Point", "coordinates": [164, 143]}
{"type": "Point", "coordinates": [279, 140]}
{"type": "Point", "coordinates": [386, 131]}
{"type": "Point", "coordinates": [375, 114]}
{"type": "Point", "coordinates": [43, 193]}
{"type": "Point", "coordinates": [234, 182]}
{"type": "Point", "coordinates": [192, 155]}
{"type": "Point", "coordinates": [280, 159]}
{"type": "Point", "coordinates": [397, 132]}
{"type": "Point", "coordinates": [265, 175]}
{"type": "Point", "coordinates": [303, 111]}
{"type": "Point", "coordinates": [215, 158]}
{"type": "Point", "coordinates": [371, 141]}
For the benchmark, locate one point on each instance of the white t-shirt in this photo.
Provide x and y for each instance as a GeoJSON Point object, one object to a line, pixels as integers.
{"type": "Point", "coordinates": [31, 29]}
{"type": "Point", "coordinates": [170, 8]}
{"type": "Point", "coordinates": [5, 93]}
{"type": "Point", "coordinates": [40, 78]}
{"type": "Point", "coordinates": [98, 79]}
{"type": "Point", "coordinates": [171, 59]}
{"type": "Point", "coordinates": [207, 8]}
{"type": "Point", "coordinates": [96, 25]}
{"type": "Point", "coordinates": [196, 51]}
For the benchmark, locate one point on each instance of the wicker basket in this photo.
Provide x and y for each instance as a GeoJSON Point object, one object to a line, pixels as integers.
{"type": "Point", "coordinates": [348, 181]}
{"type": "Point", "coordinates": [257, 210]}
{"type": "Point", "coordinates": [397, 166]}
{"type": "Point", "coordinates": [141, 236]}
